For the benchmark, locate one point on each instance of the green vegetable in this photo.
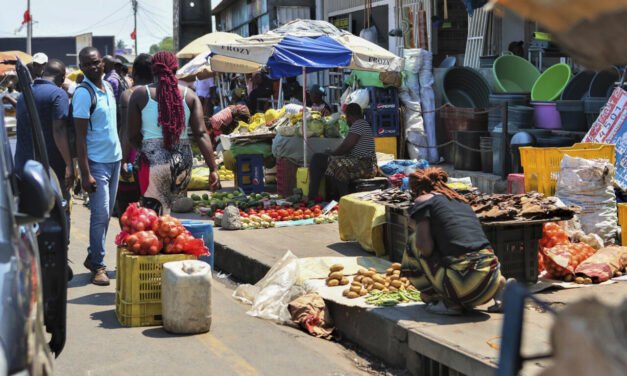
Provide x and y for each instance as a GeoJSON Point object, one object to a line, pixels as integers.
{"type": "Point", "coordinates": [205, 197]}
{"type": "Point", "coordinates": [392, 298]}
{"type": "Point", "coordinates": [195, 197]}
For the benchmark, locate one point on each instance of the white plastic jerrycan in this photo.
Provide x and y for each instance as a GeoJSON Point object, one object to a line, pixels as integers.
{"type": "Point", "coordinates": [186, 296]}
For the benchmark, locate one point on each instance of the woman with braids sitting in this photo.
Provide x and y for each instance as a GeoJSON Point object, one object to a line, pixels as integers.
{"type": "Point", "coordinates": [159, 119]}
{"type": "Point", "coordinates": [448, 257]}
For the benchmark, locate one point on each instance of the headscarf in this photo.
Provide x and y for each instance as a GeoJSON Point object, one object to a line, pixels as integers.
{"type": "Point", "coordinates": [171, 112]}
{"type": "Point", "coordinates": [432, 179]}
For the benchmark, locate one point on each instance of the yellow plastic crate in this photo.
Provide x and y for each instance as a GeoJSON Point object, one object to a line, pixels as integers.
{"type": "Point", "coordinates": [138, 277]}
{"type": "Point", "coordinates": [386, 145]}
{"type": "Point", "coordinates": [542, 165]}
{"type": "Point", "coordinates": [137, 314]}
{"type": "Point", "coordinates": [622, 221]}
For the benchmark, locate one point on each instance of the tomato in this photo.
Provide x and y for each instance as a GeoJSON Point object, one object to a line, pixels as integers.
{"type": "Point", "coordinates": [282, 212]}
{"type": "Point", "coordinates": [316, 207]}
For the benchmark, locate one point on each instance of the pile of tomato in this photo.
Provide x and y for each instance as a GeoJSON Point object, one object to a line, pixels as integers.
{"type": "Point", "coordinates": [285, 213]}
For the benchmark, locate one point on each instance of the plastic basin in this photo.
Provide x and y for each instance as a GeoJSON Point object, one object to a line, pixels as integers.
{"type": "Point", "coordinates": [551, 83]}
{"type": "Point", "coordinates": [572, 115]}
{"type": "Point", "coordinates": [546, 115]}
{"type": "Point", "coordinates": [578, 87]}
{"type": "Point", "coordinates": [466, 88]}
{"type": "Point", "coordinates": [603, 82]}
{"type": "Point", "coordinates": [513, 74]}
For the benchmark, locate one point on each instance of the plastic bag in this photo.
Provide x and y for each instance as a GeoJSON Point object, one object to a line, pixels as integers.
{"type": "Point", "coordinates": [272, 294]}
{"type": "Point", "coordinates": [588, 184]}
{"type": "Point", "coordinates": [604, 264]}
{"type": "Point", "coordinates": [199, 179]}
{"type": "Point", "coordinates": [359, 96]}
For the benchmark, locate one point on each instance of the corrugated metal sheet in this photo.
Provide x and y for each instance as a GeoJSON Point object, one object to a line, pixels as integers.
{"type": "Point", "coordinates": [287, 14]}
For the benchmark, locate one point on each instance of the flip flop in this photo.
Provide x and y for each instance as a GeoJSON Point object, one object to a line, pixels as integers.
{"type": "Point", "coordinates": [497, 307]}
{"type": "Point", "coordinates": [441, 309]}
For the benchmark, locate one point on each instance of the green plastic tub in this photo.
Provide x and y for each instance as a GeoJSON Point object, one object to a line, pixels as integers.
{"type": "Point", "coordinates": [513, 74]}
{"type": "Point", "coordinates": [551, 83]}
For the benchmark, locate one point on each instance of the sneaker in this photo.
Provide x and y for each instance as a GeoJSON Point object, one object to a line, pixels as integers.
{"type": "Point", "coordinates": [100, 278]}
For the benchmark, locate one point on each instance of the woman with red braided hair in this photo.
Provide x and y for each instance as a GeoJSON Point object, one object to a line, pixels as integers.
{"type": "Point", "coordinates": [448, 257]}
{"type": "Point", "coordinates": [160, 118]}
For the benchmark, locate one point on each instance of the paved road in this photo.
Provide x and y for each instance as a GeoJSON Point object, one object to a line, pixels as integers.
{"type": "Point", "coordinates": [237, 344]}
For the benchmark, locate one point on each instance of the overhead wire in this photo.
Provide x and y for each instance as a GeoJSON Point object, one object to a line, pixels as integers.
{"type": "Point", "coordinates": [99, 23]}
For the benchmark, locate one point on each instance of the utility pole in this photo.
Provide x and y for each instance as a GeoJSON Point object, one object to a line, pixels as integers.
{"type": "Point", "coordinates": [135, 27]}
{"type": "Point", "coordinates": [29, 30]}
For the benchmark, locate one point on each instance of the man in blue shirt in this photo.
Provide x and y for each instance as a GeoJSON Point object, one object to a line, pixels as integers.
{"type": "Point", "coordinates": [99, 156]}
{"type": "Point", "coordinates": [52, 105]}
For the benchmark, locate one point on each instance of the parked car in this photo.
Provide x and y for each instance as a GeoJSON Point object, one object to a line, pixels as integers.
{"type": "Point", "coordinates": [33, 255]}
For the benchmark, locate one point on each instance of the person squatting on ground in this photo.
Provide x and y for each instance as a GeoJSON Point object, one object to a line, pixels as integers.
{"type": "Point", "coordinates": [99, 155]}
{"type": "Point", "coordinates": [159, 130]}
{"type": "Point", "coordinates": [448, 257]}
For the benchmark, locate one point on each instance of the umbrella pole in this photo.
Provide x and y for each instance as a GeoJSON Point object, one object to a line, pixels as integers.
{"type": "Point", "coordinates": [219, 76]}
{"type": "Point", "coordinates": [280, 98]}
{"type": "Point", "coordinates": [305, 116]}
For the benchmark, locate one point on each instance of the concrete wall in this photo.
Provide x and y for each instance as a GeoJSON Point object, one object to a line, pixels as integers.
{"type": "Point", "coordinates": [513, 29]}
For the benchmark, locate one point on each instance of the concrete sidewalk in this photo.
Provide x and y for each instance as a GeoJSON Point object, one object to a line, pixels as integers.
{"type": "Point", "coordinates": [406, 337]}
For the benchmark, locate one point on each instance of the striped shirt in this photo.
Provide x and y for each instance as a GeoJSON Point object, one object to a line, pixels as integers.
{"type": "Point", "coordinates": [365, 145]}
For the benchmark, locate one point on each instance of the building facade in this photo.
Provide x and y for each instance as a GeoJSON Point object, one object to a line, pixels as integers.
{"type": "Point", "coordinates": [252, 17]}
{"type": "Point", "coordinates": [191, 19]}
{"type": "Point", "coordinates": [62, 48]}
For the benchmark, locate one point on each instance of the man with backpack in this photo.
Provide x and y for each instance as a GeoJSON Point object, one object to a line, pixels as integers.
{"type": "Point", "coordinates": [99, 155]}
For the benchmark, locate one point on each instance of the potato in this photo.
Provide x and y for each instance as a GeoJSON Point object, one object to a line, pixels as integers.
{"type": "Point", "coordinates": [363, 292]}
{"type": "Point", "coordinates": [579, 280]}
{"type": "Point", "coordinates": [396, 284]}
{"type": "Point", "coordinates": [344, 281]}
{"type": "Point", "coordinates": [336, 275]}
{"type": "Point", "coordinates": [355, 283]}
{"type": "Point", "coordinates": [367, 281]}
{"type": "Point", "coordinates": [392, 288]}
{"type": "Point", "coordinates": [394, 278]}
{"type": "Point", "coordinates": [378, 278]}
{"type": "Point", "coordinates": [355, 288]}
{"type": "Point", "coordinates": [404, 279]}
{"type": "Point", "coordinates": [333, 283]}
{"type": "Point", "coordinates": [396, 272]}
{"type": "Point", "coordinates": [378, 286]}
{"type": "Point", "coordinates": [389, 271]}
{"type": "Point", "coordinates": [345, 292]}
{"type": "Point", "coordinates": [618, 273]}
{"type": "Point", "coordinates": [361, 271]}
{"type": "Point", "coordinates": [358, 278]}
{"type": "Point", "coordinates": [372, 269]}
{"type": "Point", "coordinates": [396, 266]}
{"type": "Point", "coordinates": [352, 295]}
{"type": "Point", "coordinates": [387, 283]}
{"type": "Point", "coordinates": [568, 278]}
{"type": "Point", "coordinates": [369, 273]}
{"type": "Point", "coordinates": [336, 268]}
{"type": "Point", "coordinates": [587, 281]}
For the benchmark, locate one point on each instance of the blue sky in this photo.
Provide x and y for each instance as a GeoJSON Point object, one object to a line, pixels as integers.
{"type": "Point", "coordinates": [101, 17]}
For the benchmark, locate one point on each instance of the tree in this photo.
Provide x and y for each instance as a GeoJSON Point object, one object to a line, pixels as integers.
{"type": "Point", "coordinates": [121, 45]}
{"type": "Point", "coordinates": [166, 44]}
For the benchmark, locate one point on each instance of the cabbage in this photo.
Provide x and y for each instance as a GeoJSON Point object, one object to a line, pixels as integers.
{"type": "Point", "coordinates": [316, 127]}
{"type": "Point", "coordinates": [332, 131]}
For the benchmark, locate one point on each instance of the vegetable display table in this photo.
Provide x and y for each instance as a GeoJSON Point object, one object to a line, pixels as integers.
{"type": "Point", "coordinates": [362, 221]}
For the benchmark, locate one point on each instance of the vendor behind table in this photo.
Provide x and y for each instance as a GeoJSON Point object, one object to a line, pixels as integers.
{"type": "Point", "coordinates": [355, 158]}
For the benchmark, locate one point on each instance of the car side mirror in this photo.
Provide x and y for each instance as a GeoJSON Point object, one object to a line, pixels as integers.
{"type": "Point", "coordinates": [36, 195]}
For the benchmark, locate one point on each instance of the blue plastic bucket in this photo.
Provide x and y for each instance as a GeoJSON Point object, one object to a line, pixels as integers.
{"type": "Point", "coordinates": [202, 230]}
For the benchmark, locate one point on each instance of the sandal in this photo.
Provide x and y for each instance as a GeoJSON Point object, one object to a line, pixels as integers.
{"type": "Point", "coordinates": [497, 307]}
{"type": "Point", "coordinates": [441, 309]}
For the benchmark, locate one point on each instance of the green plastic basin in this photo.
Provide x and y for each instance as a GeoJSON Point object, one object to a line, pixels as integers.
{"type": "Point", "coordinates": [551, 83]}
{"type": "Point", "coordinates": [513, 74]}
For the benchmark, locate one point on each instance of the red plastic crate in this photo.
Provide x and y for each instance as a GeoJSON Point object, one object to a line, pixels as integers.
{"type": "Point", "coordinates": [285, 177]}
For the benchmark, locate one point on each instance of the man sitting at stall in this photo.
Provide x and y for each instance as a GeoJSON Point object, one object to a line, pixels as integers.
{"type": "Point", "coordinates": [354, 159]}
{"type": "Point", "coordinates": [448, 257]}
{"type": "Point", "coordinates": [317, 103]}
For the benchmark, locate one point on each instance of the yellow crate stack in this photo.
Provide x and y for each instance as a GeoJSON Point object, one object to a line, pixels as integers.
{"type": "Point", "coordinates": [622, 221]}
{"type": "Point", "coordinates": [138, 287]}
{"type": "Point", "coordinates": [542, 165]}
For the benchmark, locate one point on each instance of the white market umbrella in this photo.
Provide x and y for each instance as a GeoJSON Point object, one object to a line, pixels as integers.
{"type": "Point", "coordinates": [199, 45]}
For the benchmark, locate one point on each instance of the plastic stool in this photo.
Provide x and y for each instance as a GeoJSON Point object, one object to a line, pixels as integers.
{"type": "Point", "coordinates": [516, 184]}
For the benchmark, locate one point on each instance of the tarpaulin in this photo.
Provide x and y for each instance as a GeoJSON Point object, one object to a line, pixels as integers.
{"type": "Point", "coordinates": [291, 54]}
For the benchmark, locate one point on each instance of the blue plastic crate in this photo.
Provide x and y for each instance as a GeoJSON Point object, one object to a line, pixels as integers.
{"type": "Point", "coordinates": [383, 98]}
{"type": "Point", "coordinates": [249, 173]}
{"type": "Point", "coordinates": [385, 123]}
{"type": "Point", "coordinates": [204, 230]}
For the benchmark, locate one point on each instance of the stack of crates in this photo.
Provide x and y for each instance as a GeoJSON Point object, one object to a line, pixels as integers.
{"type": "Point", "coordinates": [249, 173]}
{"type": "Point", "coordinates": [384, 116]}
{"type": "Point", "coordinates": [138, 287]}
